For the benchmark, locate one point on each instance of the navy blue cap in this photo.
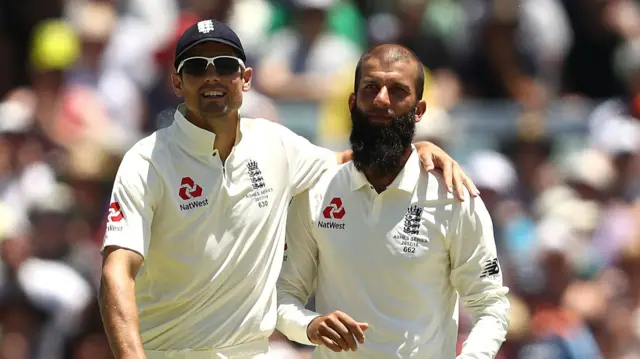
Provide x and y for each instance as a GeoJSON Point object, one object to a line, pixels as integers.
{"type": "Point", "coordinates": [208, 31]}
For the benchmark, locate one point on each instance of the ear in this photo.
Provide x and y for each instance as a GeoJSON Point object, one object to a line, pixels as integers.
{"type": "Point", "coordinates": [352, 101]}
{"type": "Point", "coordinates": [247, 76]}
{"type": "Point", "coordinates": [421, 108]}
{"type": "Point", "coordinates": [176, 81]}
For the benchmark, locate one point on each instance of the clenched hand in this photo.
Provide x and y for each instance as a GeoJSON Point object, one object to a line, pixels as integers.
{"type": "Point", "coordinates": [337, 331]}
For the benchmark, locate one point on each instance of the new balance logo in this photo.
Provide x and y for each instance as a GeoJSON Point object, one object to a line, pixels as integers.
{"type": "Point", "coordinates": [205, 26]}
{"type": "Point", "coordinates": [255, 175]}
{"type": "Point", "coordinates": [412, 221]}
{"type": "Point", "coordinates": [491, 268]}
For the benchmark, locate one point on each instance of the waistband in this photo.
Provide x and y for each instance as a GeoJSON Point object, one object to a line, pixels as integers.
{"type": "Point", "coordinates": [241, 351]}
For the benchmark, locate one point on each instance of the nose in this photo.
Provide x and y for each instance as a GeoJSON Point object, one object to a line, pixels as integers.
{"type": "Point", "coordinates": [211, 75]}
{"type": "Point", "coordinates": [382, 98]}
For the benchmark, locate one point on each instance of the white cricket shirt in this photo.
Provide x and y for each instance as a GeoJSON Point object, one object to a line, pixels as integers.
{"type": "Point", "coordinates": [212, 235]}
{"type": "Point", "coordinates": [396, 260]}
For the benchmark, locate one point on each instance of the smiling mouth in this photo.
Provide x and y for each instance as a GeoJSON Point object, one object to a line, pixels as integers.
{"type": "Point", "coordinates": [213, 94]}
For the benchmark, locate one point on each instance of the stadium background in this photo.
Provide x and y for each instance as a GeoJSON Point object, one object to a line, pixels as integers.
{"type": "Point", "coordinates": [537, 98]}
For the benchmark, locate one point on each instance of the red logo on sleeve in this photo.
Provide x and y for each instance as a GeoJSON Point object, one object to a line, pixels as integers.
{"type": "Point", "coordinates": [115, 214]}
{"type": "Point", "coordinates": [188, 189]}
{"type": "Point", "coordinates": [334, 210]}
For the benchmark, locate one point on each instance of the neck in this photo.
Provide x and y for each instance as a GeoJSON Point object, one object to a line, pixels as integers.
{"type": "Point", "coordinates": [225, 128]}
{"type": "Point", "coordinates": [380, 183]}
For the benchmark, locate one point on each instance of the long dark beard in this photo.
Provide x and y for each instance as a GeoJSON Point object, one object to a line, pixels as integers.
{"type": "Point", "coordinates": [380, 148]}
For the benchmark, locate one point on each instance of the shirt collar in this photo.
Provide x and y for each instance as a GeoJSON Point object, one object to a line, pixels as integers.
{"type": "Point", "coordinates": [192, 137]}
{"type": "Point", "coordinates": [406, 180]}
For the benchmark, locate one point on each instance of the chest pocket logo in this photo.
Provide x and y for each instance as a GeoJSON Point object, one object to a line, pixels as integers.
{"type": "Point", "coordinates": [255, 175]}
{"type": "Point", "coordinates": [260, 193]}
{"type": "Point", "coordinates": [412, 221]}
{"type": "Point", "coordinates": [410, 240]}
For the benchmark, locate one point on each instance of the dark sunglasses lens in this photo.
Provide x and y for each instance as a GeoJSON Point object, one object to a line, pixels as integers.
{"type": "Point", "coordinates": [195, 67]}
{"type": "Point", "coordinates": [226, 65]}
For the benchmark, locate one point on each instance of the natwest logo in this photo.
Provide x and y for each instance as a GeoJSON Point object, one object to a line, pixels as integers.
{"type": "Point", "coordinates": [334, 210]}
{"type": "Point", "coordinates": [114, 217]}
{"type": "Point", "coordinates": [115, 214]}
{"type": "Point", "coordinates": [188, 189]}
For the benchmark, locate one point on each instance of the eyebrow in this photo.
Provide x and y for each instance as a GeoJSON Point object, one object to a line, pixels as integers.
{"type": "Point", "coordinates": [366, 81]}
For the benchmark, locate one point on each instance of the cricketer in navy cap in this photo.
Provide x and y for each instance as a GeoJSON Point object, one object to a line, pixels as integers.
{"type": "Point", "coordinates": [211, 76]}
{"type": "Point", "coordinates": [208, 31]}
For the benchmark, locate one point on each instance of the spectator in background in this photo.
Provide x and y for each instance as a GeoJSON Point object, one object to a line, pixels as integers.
{"type": "Point", "coordinates": [99, 102]}
{"type": "Point", "coordinates": [17, 21]}
{"type": "Point", "coordinates": [27, 177]}
{"type": "Point", "coordinates": [344, 18]}
{"type": "Point", "coordinates": [300, 61]}
{"type": "Point", "coordinates": [615, 124]}
{"type": "Point", "coordinates": [496, 178]}
{"type": "Point", "coordinates": [40, 299]}
{"type": "Point", "coordinates": [428, 44]}
{"type": "Point", "coordinates": [544, 31]}
{"type": "Point", "coordinates": [495, 66]}
{"type": "Point", "coordinates": [599, 28]}
{"type": "Point", "coordinates": [55, 48]}
{"type": "Point", "coordinates": [530, 150]}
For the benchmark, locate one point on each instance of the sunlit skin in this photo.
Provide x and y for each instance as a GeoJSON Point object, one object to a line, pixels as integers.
{"type": "Point", "coordinates": [387, 90]}
{"type": "Point", "coordinates": [218, 115]}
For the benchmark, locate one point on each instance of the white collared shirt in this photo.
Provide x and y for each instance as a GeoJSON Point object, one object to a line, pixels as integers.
{"type": "Point", "coordinates": [211, 234]}
{"type": "Point", "coordinates": [398, 260]}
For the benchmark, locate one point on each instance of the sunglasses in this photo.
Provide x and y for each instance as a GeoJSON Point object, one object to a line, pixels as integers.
{"type": "Point", "coordinates": [197, 65]}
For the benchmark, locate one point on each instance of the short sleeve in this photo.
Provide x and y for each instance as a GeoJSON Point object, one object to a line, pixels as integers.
{"type": "Point", "coordinates": [135, 193]}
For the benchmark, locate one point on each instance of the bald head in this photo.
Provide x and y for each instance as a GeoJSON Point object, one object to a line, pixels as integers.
{"type": "Point", "coordinates": [388, 54]}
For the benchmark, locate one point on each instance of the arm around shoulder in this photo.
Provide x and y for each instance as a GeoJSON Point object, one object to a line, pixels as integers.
{"type": "Point", "coordinates": [307, 162]}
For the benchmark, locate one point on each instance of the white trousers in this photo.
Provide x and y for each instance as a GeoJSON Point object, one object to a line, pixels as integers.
{"type": "Point", "coordinates": [255, 350]}
{"type": "Point", "coordinates": [200, 355]}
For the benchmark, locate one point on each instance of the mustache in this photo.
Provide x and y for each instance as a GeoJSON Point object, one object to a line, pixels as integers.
{"type": "Point", "coordinates": [380, 113]}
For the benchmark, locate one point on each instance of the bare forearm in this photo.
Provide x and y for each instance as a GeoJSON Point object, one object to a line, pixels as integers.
{"type": "Point", "coordinates": [120, 317]}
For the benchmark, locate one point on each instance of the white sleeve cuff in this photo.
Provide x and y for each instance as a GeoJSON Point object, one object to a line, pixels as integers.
{"type": "Point", "coordinates": [294, 324]}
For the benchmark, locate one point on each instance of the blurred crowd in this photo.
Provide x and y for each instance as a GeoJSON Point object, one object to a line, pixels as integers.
{"type": "Point", "coordinates": [82, 80]}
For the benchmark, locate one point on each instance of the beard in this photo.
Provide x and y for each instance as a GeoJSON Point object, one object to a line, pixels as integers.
{"type": "Point", "coordinates": [379, 148]}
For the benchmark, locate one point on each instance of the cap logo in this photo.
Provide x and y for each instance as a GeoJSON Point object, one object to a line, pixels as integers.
{"type": "Point", "coordinates": [205, 26]}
